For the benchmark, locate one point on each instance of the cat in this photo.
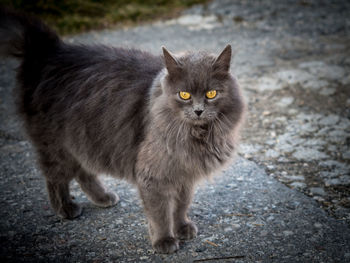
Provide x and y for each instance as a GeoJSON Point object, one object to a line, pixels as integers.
{"type": "Point", "coordinates": [162, 123]}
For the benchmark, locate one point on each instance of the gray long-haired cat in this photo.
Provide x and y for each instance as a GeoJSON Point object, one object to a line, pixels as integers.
{"type": "Point", "coordinates": [160, 122]}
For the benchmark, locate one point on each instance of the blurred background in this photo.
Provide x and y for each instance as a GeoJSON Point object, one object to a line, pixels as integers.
{"type": "Point", "coordinates": [74, 16]}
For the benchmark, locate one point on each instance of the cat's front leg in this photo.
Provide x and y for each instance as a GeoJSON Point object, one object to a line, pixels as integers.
{"type": "Point", "coordinates": [158, 206]}
{"type": "Point", "coordinates": [184, 227]}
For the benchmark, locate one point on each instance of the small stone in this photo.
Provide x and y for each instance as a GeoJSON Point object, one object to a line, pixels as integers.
{"type": "Point", "coordinates": [268, 84]}
{"type": "Point", "coordinates": [314, 142]}
{"type": "Point", "coordinates": [200, 249]}
{"type": "Point", "coordinates": [328, 91]}
{"type": "Point", "coordinates": [270, 218]}
{"type": "Point", "coordinates": [271, 153]}
{"type": "Point", "coordinates": [342, 212]}
{"type": "Point", "coordinates": [285, 102]}
{"type": "Point", "coordinates": [263, 233]}
{"type": "Point", "coordinates": [327, 174]}
{"type": "Point", "coordinates": [317, 191]}
{"type": "Point", "coordinates": [298, 185]}
{"type": "Point", "coordinates": [335, 164]}
{"type": "Point", "coordinates": [330, 182]}
{"type": "Point", "coordinates": [288, 233]}
{"type": "Point", "coordinates": [292, 111]}
{"type": "Point", "coordinates": [318, 198]}
{"type": "Point", "coordinates": [318, 225]}
{"type": "Point", "coordinates": [346, 155]}
{"type": "Point", "coordinates": [345, 179]}
{"type": "Point", "coordinates": [342, 180]}
{"type": "Point", "coordinates": [337, 136]}
{"type": "Point", "coordinates": [308, 117]}
{"type": "Point", "coordinates": [323, 70]}
{"type": "Point", "coordinates": [346, 80]}
{"type": "Point", "coordinates": [311, 64]}
{"type": "Point", "coordinates": [293, 76]}
{"type": "Point", "coordinates": [294, 178]}
{"type": "Point", "coordinates": [249, 148]}
{"type": "Point", "coordinates": [308, 154]}
{"type": "Point", "coordinates": [332, 148]}
{"type": "Point", "coordinates": [228, 229]}
{"type": "Point", "coordinates": [315, 84]}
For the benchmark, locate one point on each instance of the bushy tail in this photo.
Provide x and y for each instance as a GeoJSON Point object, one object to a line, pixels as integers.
{"type": "Point", "coordinates": [24, 36]}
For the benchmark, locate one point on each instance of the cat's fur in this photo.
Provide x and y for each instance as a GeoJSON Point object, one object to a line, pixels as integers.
{"type": "Point", "coordinates": [95, 109]}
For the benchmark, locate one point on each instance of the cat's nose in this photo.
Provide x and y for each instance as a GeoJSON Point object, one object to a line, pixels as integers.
{"type": "Point", "coordinates": [198, 112]}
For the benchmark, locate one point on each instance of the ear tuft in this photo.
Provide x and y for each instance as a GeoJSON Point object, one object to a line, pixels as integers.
{"type": "Point", "coordinates": [223, 61]}
{"type": "Point", "coordinates": [171, 63]}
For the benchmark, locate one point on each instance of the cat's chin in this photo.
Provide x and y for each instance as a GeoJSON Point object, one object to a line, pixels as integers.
{"type": "Point", "coordinates": [197, 122]}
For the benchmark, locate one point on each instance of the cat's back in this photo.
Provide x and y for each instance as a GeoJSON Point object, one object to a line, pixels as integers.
{"type": "Point", "coordinates": [93, 101]}
{"type": "Point", "coordinates": [81, 70]}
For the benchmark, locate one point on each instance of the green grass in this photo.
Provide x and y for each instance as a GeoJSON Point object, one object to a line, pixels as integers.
{"type": "Point", "coordinates": [73, 16]}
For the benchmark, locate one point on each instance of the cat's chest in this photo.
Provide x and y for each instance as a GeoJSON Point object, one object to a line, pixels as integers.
{"type": "Point", "coordinates": [203, 156]}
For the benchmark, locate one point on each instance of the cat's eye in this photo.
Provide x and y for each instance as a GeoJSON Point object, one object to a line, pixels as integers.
{"type": "Point", "coordinates": [211, 94]}
{"type": "Point", "coordinates": [184, 95]}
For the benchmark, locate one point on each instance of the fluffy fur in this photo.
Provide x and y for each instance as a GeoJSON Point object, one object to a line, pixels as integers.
{"type": "Point", "coordinates": [95, 109]}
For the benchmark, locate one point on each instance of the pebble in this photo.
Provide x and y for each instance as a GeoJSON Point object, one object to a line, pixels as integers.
{"type": "Point", "coordinates": [342, 180]}
{"type": "Point", "coordinates": [288, 233]}
{"type": "Point", "coordinates": [271, 154]}
{"type": "Point", "coordinates": [285, 102]}
{"type": "Point", "coordinates": [318, 225]}
{"type": "Point", "coordinates": [329, 120]}
{"type": "Point", "coordinates": [315, 84]}
{"type": "Point", "coordinates": [263, 233]}
{"type": "Point", "coordinates": [346, 80]}
{"type": "Point", "coordinates": [331, 182]}
{"type": "Point", "coordinates": [317, 191]}
{"type": "Point", "coordinates": [228, 229]}
{"type": "Point", "coordinates": [270, 167]}
{"type": "Point", "coordinates": [293, 76]}
{"type": "Point", "coordinates": [298, 185]}
{"type": "Point", "coordinates": [328, 91]}
{"type": "Point", "coordinates": [268, 84]}
{"type": "Point", "coordinates": [308, 154]}
{"type": "Point", "coordinates": [294, 178]}
{"type": "Point", "coordinates": [346, 155]}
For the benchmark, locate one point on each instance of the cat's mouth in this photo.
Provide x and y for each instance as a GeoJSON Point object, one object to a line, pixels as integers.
{"type": "Point", "coordinates": [199, 121]}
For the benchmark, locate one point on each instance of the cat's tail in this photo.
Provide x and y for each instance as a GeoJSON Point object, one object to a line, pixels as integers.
{"type": "Point", "coordinates": [23, 36]}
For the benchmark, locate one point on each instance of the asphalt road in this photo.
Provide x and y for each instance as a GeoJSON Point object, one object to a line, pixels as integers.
{"type": "Point", "coordinates": [286, 199]}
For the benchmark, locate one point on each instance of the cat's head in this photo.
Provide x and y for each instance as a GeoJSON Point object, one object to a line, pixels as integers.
{"type": "Point", "coordinates": [198, 88]}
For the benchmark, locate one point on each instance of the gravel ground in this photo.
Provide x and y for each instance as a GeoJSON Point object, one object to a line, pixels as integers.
{"type": "Point", "coordinates": [292, 60]}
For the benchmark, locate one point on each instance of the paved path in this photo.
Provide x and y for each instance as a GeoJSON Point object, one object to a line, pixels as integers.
{"type": "Point", "coordinates": [292, 59]}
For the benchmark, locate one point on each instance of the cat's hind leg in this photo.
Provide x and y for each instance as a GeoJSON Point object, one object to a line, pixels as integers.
{"type": "Point", "coordinates": [59, 169]}
{"type": "Point", "coordinates": [61, 201]}
{"type": "Point", "coordinates": [95, 191]}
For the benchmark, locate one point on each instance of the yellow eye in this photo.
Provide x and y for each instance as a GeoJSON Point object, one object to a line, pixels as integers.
{"type": "Point", "coordinates": [184, 95]}
{"type": "Point", "coordinates": [211, 94]}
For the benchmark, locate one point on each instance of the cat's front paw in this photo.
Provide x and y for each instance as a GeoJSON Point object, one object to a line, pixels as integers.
{"type": "Point", "coordinates": [187, 231]}
{"type": "Point", "coordinates": [106, 200]}
{"type": "Point", "coordinates": [70, 210]}
{"type": "Point", "coordinates": [166, 245]}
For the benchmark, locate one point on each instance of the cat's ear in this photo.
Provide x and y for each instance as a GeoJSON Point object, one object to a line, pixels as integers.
{"type": "Point", "coordinates": [223, 61]}
{"type": "Point", "coordinates": [171, 63]}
